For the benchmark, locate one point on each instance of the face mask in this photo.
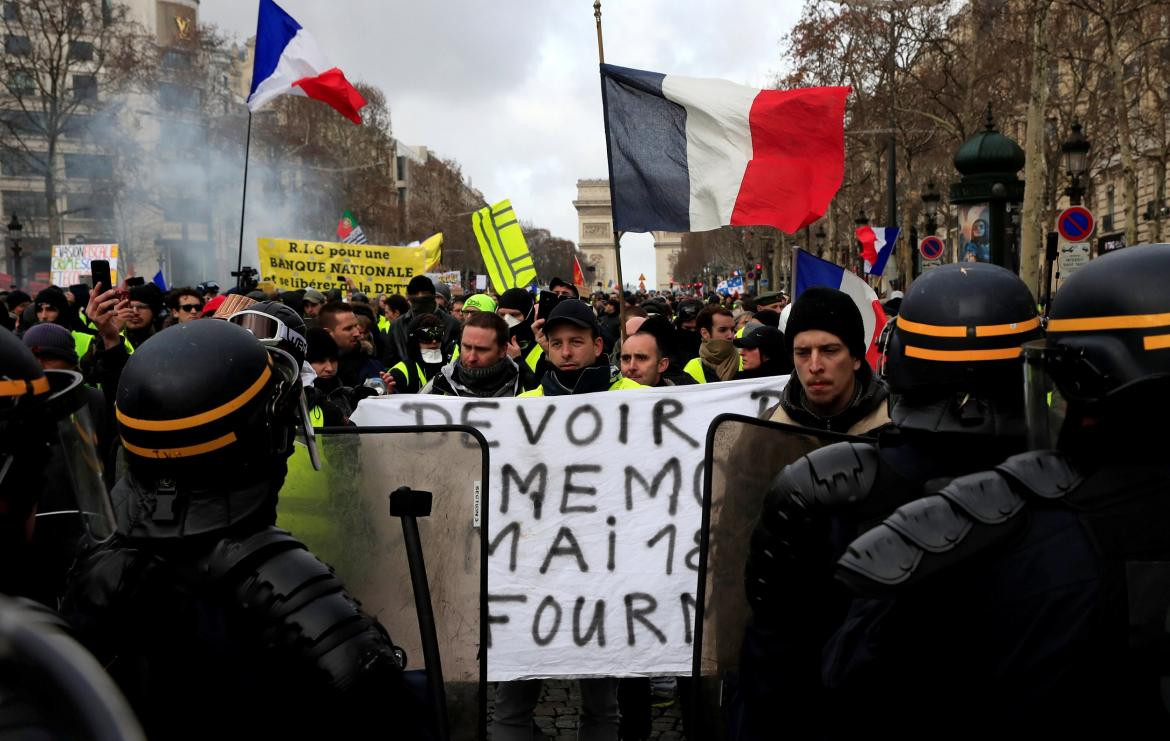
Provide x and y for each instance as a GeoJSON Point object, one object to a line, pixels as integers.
{"type": "Point", "coordinates": [423, 305]}
{"type": "Point", "coordinates": [512, 321]}
{"type": "Point", "coordinates": [432, 356]}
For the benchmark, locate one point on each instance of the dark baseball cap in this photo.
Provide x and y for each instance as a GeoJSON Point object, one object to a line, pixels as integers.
{"type": "Point", "coordinates": [573, 312]}
{"type": "Point", "coordinates": [762, 337]}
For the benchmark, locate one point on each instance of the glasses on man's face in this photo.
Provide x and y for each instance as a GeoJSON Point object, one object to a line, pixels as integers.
{"type": "Point", "coordinates": [189, 307]}
{"type": "Point", "coordinates": [139, 307]}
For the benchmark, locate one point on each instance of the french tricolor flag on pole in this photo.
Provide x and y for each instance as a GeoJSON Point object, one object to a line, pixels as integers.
{"type": "Point", "coordinates": [877, 242]}
{"type": "Point", "coordinates": [288, 60]}
{"type": "Point", "coordinates": [813, 271]}
{"type": "Point", "coordinates": [691, 154]}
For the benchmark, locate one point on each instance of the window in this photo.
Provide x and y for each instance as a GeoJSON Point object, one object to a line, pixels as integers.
{"type": "Point", "coordinates": [21, 123]}
{"type": "Point", "coordinates": [89, 166]}
{"type": "Point", "coordinates": [81, 51]}
{"type": "Point", "coordinates": [175, 97]}
{"type": "Point", "coordinates": [76, 18]}
{"type": "Point", "coordinates": [186, 209]}
{"type": "Point", "coordinates": [22, 164]}
{"type": "Point", "coordinates": [89, 206]}
{"type": "Point", "coordinates": [22, 83]}
{"type": "Point", "coordinates": [84, 87]}
{"type": "Point", "coordinates": [11, 11]}
{"type": "Point", "coordinates": [176, 59]}
{"type": "Point", "coordinates": [24, 203]}
{"type": "Point", "coordinates": [401, 167]}
{"type": "Point", "coordinates": [17, 46]}
{"type": "Point", "coordinates": [107, 12]}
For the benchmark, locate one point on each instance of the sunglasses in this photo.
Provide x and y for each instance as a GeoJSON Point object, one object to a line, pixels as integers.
{"type": "Point", "coordinates": [429, 334]}
{"type": "Point", "coordinates": [190, 307]}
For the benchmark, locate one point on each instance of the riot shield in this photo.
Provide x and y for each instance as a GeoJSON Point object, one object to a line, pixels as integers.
{"type": "Point", "coordinates": [342, 513]}
{"type": "Point", "coordinates": [743, 455]}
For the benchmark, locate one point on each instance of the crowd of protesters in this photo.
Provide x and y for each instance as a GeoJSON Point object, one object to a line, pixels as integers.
{"type": "Point", "coordinates": [946, 472]}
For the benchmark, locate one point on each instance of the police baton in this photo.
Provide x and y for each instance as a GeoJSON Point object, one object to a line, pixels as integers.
{"type": "Point", "coordinates": [409, 505]}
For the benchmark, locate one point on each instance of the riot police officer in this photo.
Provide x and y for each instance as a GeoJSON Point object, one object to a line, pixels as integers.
{"type": "Point", "coordinates": [210, 617]}
{"type": "Point", "coordinates": [953, 368]}
{"type": "Point", "coordinates": [52, 500]}
{"type": "Point", "coordinates": [1038, 592]}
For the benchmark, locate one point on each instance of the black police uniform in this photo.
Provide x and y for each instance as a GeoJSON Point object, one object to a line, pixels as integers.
{"type": "Point", "coordinates": [210, 618]}
{"type": "Point", "coordinates": [1034, 597]}
{"type": "Point", "coordinates": [955, 411]}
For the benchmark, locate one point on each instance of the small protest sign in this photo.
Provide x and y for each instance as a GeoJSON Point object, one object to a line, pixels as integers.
{"type": "Point", "coordinates": [69, 263]}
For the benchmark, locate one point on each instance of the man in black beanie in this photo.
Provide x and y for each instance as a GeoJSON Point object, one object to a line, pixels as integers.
{"type": "Point", "coordinates": [421, 294]}
{"type": "Point", "coordinates": [146, 303]}
{"type": "Point", "coordinates": [833, 387]}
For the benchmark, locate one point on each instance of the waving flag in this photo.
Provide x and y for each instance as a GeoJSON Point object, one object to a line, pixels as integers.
{"type": "Point", "coordinates": [578, 274]}
{"type": "Point", "coordinates": [813, 271]}
{"type": "Point", "coordinates": [349, 231]}
{"type": "Point", "coordinates": [690, 154]}
{"type": "Point", "coordinates": [288, 60]}
{"type": "Point", "coordinates": [502, 245]}
{"type": "Point", "coordinates": [877, 242]}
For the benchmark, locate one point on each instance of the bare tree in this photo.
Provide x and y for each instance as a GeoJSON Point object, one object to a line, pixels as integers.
{"type": "Point", "coordinates": [65, 63]}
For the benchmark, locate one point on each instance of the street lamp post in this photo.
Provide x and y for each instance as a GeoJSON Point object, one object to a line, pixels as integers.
{"type": "Point", "coordinates": [1075, 151]}
{"type": "Point", "coordinates": [820, 236]}
{"type": "Point", "coordinates": [14, 230]}
{"type": "Point", "coordinates": [930, 201]}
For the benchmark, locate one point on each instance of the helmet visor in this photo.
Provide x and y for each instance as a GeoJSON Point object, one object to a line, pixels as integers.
{"type": "Point", "coordinates": [290, 387]}
{"type": "Point", "coordinates": [270, 330]}
{"type": "Point", "coordinates": [1044, 406]}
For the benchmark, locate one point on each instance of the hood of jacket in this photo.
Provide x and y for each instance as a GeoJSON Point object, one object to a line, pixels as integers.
{"type": "Point", "coordinates": [869, 393]}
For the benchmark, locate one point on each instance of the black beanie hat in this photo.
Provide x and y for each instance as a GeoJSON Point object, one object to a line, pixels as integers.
{"type": "Point", "coordinates": [16, 298]}
{"type": "Point", "coordinates": [420, 284]}
{"type": "Point", "coordinates": [148, 294]}
{"type": "Point", "coordinates": [321, 346]}
{"type": "Point", "coordinates": [54, 297]}
{"type": "Point", "coordinates": [828, 310]}
{"type": "Point", "coordinates": [518, 299]}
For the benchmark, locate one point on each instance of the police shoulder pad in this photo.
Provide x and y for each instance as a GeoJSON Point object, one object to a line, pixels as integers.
{"type": "Point", "coordinates": [1047, 474]}
{"type": "Point", "coordinates": [970, 517]}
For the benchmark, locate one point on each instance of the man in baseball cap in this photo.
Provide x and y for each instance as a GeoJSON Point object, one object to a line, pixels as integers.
{"type": "Point", "coordinates": [575, 351]}
{"type": "Point", "coordinates": [763, 351]}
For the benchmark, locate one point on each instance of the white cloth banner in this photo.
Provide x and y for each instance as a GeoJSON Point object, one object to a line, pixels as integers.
{"type": "Point", "coordinates": [595, 510]}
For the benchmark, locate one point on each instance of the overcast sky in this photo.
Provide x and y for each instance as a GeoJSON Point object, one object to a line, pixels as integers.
{"type": "Point", "coordinates": [511, 90]}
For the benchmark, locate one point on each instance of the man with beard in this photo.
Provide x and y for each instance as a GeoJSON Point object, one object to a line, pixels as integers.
{"type": "Point", "coordinates": [483, 368]}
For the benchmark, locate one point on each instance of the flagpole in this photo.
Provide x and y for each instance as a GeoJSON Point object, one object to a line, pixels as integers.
{"type": "Point", "coordinates": [617, 239]}
{"type": "Point", "coordinates": [792, 283]}
{"type": "Point", "coordinates": [244, 199]}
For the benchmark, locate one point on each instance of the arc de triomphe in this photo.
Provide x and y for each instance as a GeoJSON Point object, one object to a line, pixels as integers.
{"type": "Point", "coordinates": [595, 237]}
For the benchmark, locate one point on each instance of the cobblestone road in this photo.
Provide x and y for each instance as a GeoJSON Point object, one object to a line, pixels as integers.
{"type": "Point", "coordinates": [556, 715]}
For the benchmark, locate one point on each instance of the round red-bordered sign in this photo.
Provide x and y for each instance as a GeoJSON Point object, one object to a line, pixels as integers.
{"type": "Point", "coordinates": [1075, 223]}
{"type": "Point", "coordinates": [931, 248]}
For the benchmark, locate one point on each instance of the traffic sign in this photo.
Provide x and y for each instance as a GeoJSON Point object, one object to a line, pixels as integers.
{"type": "Point", "coordinates": [931, 248]}
{"type": "Point", "coordinates": [1075, 223]}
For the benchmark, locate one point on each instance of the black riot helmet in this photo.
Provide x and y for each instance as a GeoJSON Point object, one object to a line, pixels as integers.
{"type": "Point", "coordinates": [1108, 345]}
{"type": "Point", "coordinates": [277, 325]}
{"type": "Point", "coordinates": [954, 352]}
{"type": "Point", "coordinates": [206, 406]}
{"type": "Point", "coordinates": [46, 440]}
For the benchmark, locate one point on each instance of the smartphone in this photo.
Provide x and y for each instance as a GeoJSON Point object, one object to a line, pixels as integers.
{"type": "Point", "coordinates": [99, 271]}
{"type": "Point", "coordinates": [137, 280]}
{"type": "Point", "coordinates": [546, 303]}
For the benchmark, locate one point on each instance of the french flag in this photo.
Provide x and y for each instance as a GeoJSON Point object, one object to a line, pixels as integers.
{"type": "Point", "coordinates": [690, 154]}
{"type": "Point", "coordinates": [288, 60]}
{"type": "Point", "coordinates": [813, 271]}
{"type": "Point", "coordinates": [877, 242]}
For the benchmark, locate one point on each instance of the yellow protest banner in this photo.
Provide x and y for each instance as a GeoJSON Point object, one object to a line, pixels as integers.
{"type": "Point", "coordinates": [307, 263]}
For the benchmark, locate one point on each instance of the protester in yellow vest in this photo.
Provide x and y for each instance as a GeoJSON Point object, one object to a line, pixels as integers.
{"type": "Point", "coordinates": [718, 359]}
{"type": "Point", "coordinates": [575, 352]}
